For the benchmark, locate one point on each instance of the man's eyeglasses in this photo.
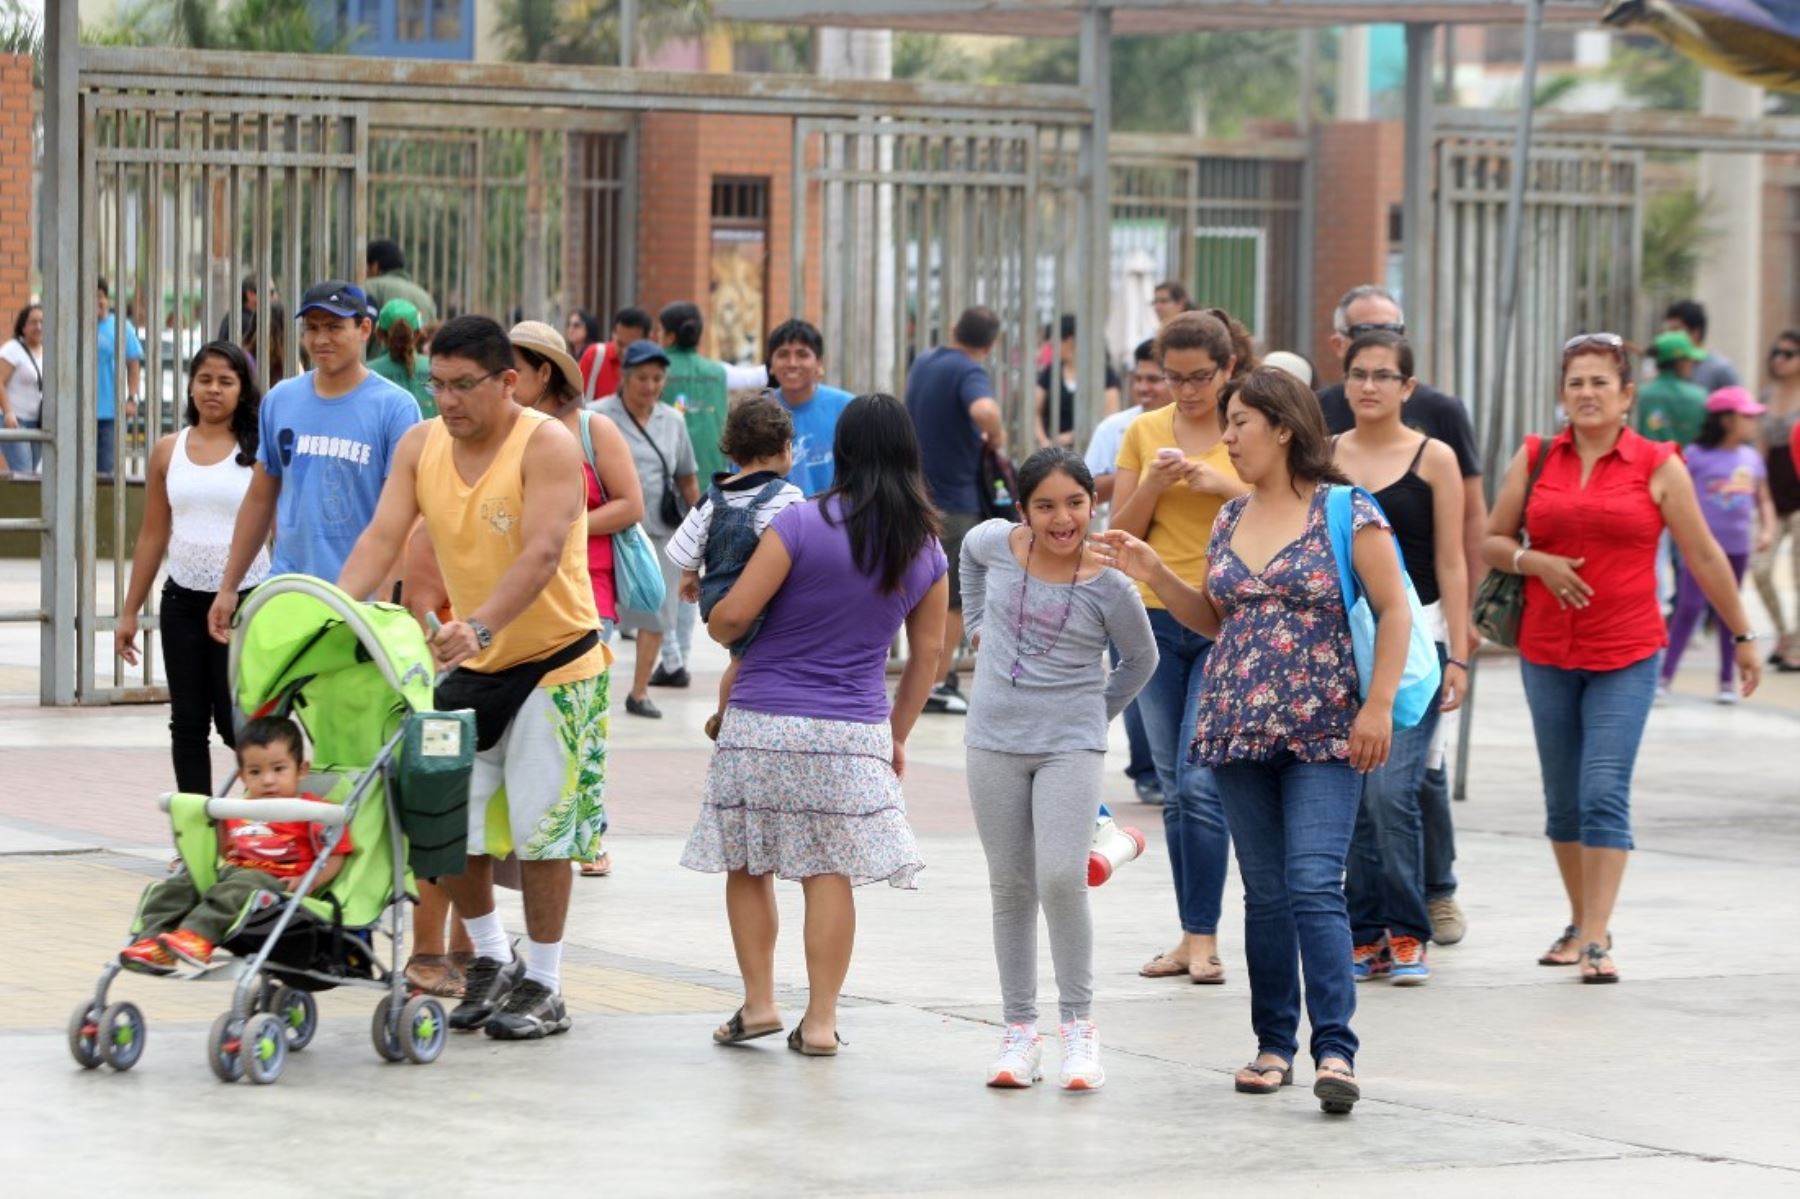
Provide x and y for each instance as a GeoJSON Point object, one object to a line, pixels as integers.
{"type": "Point", "coordinates": [1197, 379]}
{"type": "Point", "coordinates": [1395, 327]}
{"type": "Point", "coordinates": [461, 387]}
{"type": "Point", "coordinates": [1783, 354]}
{"type": "Point", "coordinates": [1611, 341]}
{"type": "Point", "coordinates": [1384, 378]}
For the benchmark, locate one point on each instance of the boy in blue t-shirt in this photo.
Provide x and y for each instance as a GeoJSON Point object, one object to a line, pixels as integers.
{"type": "Point", "coordinates": [327, 441]}
{"type": "Point", "coordinates": [796, 353]}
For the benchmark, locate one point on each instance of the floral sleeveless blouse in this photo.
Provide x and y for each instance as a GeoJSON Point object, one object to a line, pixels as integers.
{"type": "Point", "coordinates": [1281, 675]}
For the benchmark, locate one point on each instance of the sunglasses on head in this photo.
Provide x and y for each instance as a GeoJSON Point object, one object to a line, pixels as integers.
{"type": "Point", "coordinates": [1395, 327]}
{"type": "Point", "coordinates": [1611, 341]}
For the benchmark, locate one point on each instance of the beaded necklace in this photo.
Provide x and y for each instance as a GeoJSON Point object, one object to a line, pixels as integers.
{"type": "Point", "coordinates": [1018, 666]}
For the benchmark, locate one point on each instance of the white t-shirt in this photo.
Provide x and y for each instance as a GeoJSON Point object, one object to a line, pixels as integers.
{"type": "Point", "coordinates": [687, 549]}
{"type": "Point", "coordinates": [25, 386]}
{"type": "Point", "coordinates": [1103, 447]}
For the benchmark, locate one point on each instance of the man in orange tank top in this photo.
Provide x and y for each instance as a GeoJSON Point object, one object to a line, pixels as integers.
{"type": "Point", "coordinates": [500, 491]}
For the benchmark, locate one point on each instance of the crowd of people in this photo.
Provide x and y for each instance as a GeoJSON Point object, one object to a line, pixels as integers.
{"type": "Point", "coordinates": [1196, 572]}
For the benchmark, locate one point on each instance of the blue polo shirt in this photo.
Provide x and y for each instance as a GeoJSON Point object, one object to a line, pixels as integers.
{"type": "Point", "coordinates": [815, 430]}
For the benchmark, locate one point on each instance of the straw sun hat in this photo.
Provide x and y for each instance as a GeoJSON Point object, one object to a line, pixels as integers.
{"type": "Point", "coordinates": [546, 342]}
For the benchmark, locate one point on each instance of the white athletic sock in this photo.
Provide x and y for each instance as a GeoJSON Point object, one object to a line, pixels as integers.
{"type": "Point", "coordinates": [489, 936]}
{"type": "Point", "coordinates": [544, 963]}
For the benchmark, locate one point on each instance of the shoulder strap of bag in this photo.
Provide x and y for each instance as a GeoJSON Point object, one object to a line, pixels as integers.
{"type": "Point", "coordinates": [1339, 523]}
{"type": "Point", "coordinates": [587, 440]}
{"type": "Point", "coordinates": [661, 461]}
{"type": "Point", "coordinates": [1535, 454]}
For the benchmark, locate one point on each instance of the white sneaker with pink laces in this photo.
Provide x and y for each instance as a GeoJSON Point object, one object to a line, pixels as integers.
{"type": "Point", "coordinates": [1081, 1057]}
{"type": "Point", "coordinates": [1021, 1058]}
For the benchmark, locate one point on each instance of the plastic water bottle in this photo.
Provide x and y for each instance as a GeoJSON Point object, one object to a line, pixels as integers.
{"type": "Point", "coordinates": [1113, 846]}
{"type": "Point", "coordinates": [1003, 500]}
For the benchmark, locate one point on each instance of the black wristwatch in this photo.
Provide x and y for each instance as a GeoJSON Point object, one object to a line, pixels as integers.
{"type": "Point", "coordinates": [1745, 638]}
{"type": "Point", "coordinates": [484, 636]}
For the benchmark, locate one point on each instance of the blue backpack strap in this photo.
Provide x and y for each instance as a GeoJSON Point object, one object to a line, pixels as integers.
{"type": "Point", "coordinates": [1340, 521]}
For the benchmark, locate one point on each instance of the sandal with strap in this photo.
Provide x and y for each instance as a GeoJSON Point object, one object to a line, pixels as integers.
{"type": "Point", "coordinates": [1211, 977]}
{"type": "Point", "coordinates": [1337, 1091]}
{"type": "Point", "coordinates": [1262, 1086]}
{"type": "Point", "coordinates": [734, 1032]}
{"type": "Point", "coordinates": [1563, 944]}
{"type": "Point", "coordinates": [1163, 966]}
{"type": "Point", "coordinates": [1591, 957]}
{"type": "Point", "coordinates": [798, 1044]}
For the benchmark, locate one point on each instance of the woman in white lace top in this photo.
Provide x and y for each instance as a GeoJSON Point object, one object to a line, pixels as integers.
{"type": "Point", "coordinates": [197, 482]}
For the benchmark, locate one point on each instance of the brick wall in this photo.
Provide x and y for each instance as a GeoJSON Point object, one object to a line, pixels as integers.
{"type": "Point", "coordinates": [15, 186]}
{"type": "Point", "coordinates": [680, 154]}
{"type": "Point", "coordinates": [1361, 177]}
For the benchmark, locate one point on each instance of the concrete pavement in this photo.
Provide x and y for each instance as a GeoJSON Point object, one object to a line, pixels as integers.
{"type": "Point", "coordinates": [1498, 1077]}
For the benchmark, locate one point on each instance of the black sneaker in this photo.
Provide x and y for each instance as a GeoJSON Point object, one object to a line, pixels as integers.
{"type": "Point", "coordinates": [946, 700]}
{"type": "Point", "coordinates": [664, 677]}
{"type": "Point", "coordinates": [531, 1011]}
{"type": "Point", "coordinates": [486, 986]}
{"type": "Point", "coordinates": [643, 707]}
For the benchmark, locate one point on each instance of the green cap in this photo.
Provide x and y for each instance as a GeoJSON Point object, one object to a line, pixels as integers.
{"type": "Point", "coordinates": [397, 310]}
{"type": "Point", "coordinates": [1673, 346]}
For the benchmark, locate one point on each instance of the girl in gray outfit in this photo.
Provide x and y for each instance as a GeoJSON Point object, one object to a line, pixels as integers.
{"type": "Point", "coordinates": [1041, 608]}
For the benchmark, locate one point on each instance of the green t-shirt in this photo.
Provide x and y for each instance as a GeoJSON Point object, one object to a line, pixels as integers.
{"type": "Point", "coordinates": [696, 389]}
{"type": "Point", "coordinates": [1669, 408]}
{"type": "Point", "coordinates": [415, 387]}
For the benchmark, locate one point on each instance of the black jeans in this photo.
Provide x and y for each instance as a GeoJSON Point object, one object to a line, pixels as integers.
{"type": "Point", "coordinates": [198, 671]}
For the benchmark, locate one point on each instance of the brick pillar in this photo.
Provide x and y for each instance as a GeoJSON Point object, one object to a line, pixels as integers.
{"type": "Point", "coordinates": [1360, 179]}
{"type": "Point", "coordinates": [15, 186]}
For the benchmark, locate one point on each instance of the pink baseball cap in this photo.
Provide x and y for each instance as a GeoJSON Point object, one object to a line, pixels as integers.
{"type": "Point", "coordinates": [1734, 399]}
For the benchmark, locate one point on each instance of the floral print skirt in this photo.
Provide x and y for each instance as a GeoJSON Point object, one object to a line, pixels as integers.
{"type": "Point", "coordinates": [798, 797]}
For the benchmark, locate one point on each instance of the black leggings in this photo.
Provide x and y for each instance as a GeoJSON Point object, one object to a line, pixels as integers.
{"type": "Point", "coordinates": [199, 685]}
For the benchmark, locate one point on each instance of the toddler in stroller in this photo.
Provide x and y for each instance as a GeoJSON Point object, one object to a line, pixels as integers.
{"type": "Point", "coordinates": [180, 922]}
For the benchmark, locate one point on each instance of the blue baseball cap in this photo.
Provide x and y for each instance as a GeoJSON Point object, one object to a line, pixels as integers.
{"type": "Point", "coordinates": [336, 297]}
{"type": "Point", "coordinates": [641, 351]}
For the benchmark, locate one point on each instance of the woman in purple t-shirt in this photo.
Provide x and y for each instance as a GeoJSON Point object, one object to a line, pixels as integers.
{"type": "Point", "coordinates": [1733, 483]}
{"type": "Point", "coordinates": [805, 783]}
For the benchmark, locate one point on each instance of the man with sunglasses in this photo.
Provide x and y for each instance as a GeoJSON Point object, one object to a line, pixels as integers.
{"type": "Point", "coordinates": [1365, 309]}
{"type": "Point", "coordinates": [327, 443]}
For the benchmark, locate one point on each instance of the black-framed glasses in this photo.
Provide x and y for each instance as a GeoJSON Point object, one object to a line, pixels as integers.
{"type": "Point", "coordinates": [461, 387]}
{"type": "Point", "coordinates": [1611, 341]}
{"type": "Point", "coordinates": [1197, 379]}
{"type": "Point", "coordinates": [1783, 354]}
{"type": "Point", "coordinates": [1360, 377]}
{"type": "Point", "coordinates": [1396, 327]}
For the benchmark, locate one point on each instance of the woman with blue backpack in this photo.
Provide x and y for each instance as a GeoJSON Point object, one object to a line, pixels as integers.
{"type": "Point", "coordinates": [1419, 487]}
{"type": "Point", "coordinates": [1288, 722]}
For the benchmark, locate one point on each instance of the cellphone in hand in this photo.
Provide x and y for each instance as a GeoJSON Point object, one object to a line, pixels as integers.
{"type": "Point", "coordinates": [1169, 451]}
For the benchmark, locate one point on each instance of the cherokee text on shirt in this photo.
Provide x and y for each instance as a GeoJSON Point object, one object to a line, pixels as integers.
{"type": "Point", "coordinates": [334, 447]}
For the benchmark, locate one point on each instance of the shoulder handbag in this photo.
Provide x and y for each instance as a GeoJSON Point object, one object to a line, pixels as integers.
{"type": "Point", "coordinates": [1420, 680]}
{"type": "Point", "coordinates": [1500, 600]}
{"type": "Point", "coordinates": [999, 486]}
{"type": "Point", "coordinates": [637, 578]}
{"type": "Point", "coordinates": [670, 509]}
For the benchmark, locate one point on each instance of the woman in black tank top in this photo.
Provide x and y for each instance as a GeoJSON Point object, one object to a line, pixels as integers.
{"type": "Point", "coordinates": [1419, 486]}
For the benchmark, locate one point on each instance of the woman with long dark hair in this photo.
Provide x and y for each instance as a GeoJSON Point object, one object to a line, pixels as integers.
{"type": "Point", "coordinates": [805, 783]}
{"type": "Point", "coordinates": [196, 484]}
{"type": "Point", "coordinates": [1280, 721]}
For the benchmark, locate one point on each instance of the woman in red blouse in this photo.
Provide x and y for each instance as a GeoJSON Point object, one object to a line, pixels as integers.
{"type": "Point", "coordinates": [1593, 628]}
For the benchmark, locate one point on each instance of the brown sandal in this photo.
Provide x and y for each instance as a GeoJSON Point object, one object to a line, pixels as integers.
{"type": "Point", "coordinates": [434, 974]}
{"type": "Point", "coordinates": [1565, 944]}
{"type": "Point", "coordinates": [1163, 966]}
{"type": "Point", "coordinates": [1261, 1085]}
{"type": "Point", "coordinates": [600, 867]}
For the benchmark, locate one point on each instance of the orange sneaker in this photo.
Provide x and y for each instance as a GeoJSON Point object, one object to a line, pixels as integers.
{"type": "Point", "coordinates": [147, 956]}
{"type": "Point", "coordinates": [189, 947]}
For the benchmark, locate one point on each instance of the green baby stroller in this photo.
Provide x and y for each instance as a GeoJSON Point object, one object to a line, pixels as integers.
{"type": "Point", "coordinates": [359, 679]}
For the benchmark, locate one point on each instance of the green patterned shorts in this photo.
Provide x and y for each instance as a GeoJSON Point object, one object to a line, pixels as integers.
{"type": "Point", "coordinates": [541, 792]}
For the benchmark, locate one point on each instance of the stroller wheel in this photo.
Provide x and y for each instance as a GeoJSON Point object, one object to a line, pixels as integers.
{"type": "Point", "coordinates": [222, 1045]}
{"type": "Point", "coordinates": [263, 1050]}
{"type": "Point", "coordinates": [299, 1016]}
{"type": "Point", "coordinates": [121, 1035]}
{"type": "Point", "coordinates": [381, 1032]}
{"type": "Point", "coordinates": [84, 1035]}
{"type": "Point", "coordinates": [422, 1030]}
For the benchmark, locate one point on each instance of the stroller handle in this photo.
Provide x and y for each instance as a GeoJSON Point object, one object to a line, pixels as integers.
{"type": "Point", "coordinates": [329, 814]}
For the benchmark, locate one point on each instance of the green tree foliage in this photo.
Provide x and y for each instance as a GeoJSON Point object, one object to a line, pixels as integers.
{"type": "Point", "coordinates": [1656, 77]}
{"type": "Point", "coordinates": [1159, 84]}
{"type": "Point", "coordinates": [255, 26]}
{"type": "Point", "coordinates": [587, 31]}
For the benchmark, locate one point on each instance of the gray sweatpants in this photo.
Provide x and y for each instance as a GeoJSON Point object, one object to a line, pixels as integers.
{"type": "Point", "coordinates": [1035, 815]}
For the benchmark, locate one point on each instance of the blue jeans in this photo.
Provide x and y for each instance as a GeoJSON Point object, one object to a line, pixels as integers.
{"type": "Point", "coordinates": [22, 456]}
{"type": "Point", "coordinates": [1292, 822]}
{"type": "Point", "coordinates": [1141, 763]}
{"type": "Point", "coordinates": [104, 430]}
{"type": "Point", "coordinates": [1440, 833]}
{"type": "Point", "coordinates": [1588, 725]}
{"type": "Point", "coordinates": [1385, 884]}
{"type": "Point", "coordinates": [1193, 817]}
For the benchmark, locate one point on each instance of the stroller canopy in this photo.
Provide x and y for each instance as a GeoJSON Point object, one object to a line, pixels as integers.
{"type": "Point", "coordinates": [347, 670]}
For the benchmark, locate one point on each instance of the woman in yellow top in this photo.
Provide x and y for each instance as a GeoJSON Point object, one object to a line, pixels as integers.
{"type": "Point", "coordinates": [1173, 476]}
